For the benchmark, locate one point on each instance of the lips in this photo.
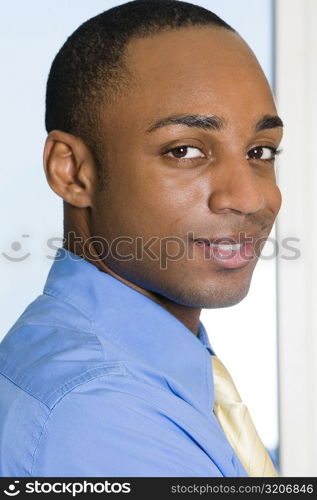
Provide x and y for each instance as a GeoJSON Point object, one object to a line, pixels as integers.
{"type": "Point", "coordinates": [229, 252]}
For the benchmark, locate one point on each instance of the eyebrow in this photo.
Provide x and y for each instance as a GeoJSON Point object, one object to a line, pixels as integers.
{"type": "Point", "coordinates": [268, 121]}
{"type": "Point", "coordinates": [200, 121]}
{"type": "Point", "coordinates": [212, 122]}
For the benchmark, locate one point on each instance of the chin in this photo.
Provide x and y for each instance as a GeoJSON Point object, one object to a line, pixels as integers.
{"type": "Point", "coordinates": [222, 302]}
{"type": "Point", "coordinates": [210, 296]}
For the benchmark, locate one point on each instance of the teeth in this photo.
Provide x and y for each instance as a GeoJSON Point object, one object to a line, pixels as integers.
{"type": "Point", "coordinates": [233, 248]}
{"type": "Point", "coordinates": [224, 246]}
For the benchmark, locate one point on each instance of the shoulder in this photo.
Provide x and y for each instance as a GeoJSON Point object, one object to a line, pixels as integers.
{"type": "Point", "coordinates": [51, 362]}
{"type": "Point", "coordinates": [106, 426]}
{"type": "Point", "coordinates": [38, 438]}
{"type": "Point", "coordinates": [51, 349]}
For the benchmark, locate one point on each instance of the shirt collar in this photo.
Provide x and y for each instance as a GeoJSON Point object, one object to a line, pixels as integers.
{"type": "Point", "coordinates": [136, 324]}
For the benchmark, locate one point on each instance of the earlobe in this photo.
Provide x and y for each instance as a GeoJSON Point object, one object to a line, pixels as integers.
{"type": "Point", "coordinates": [69, 168]}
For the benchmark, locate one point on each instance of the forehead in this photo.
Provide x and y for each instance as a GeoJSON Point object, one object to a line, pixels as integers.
{"type": "Point", "coordinates": [198, 68]}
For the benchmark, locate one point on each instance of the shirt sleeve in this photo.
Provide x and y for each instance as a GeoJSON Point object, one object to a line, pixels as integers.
{"type": "Point", "coordinates": [112, 427]}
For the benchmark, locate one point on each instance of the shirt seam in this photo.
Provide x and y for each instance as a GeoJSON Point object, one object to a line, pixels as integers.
{"type": "Point", "coordinates": [24, 390]}
{"type": "Point", "coordinates": [86, 372]}
{"type": "Point", "coordinates": [72, 380]}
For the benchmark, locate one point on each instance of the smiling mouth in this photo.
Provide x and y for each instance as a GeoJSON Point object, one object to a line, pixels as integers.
{"type": "Point", "coordinates": [233, 247]}
{"type": "Point", "coordinates": [227, 252]}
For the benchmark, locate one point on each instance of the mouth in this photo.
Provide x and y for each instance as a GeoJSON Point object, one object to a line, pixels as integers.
{"type": "Point", "coordinates": [228, 252]}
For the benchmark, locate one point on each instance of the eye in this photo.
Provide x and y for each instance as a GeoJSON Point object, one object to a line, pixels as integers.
{"type": "Point", "coordinates": [262, 153]}
{"type": "Point", "coordinates": [185, 153]}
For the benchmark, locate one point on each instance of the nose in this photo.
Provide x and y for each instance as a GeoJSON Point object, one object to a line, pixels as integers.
{"type": "Point", "coordinates": [237, 187]}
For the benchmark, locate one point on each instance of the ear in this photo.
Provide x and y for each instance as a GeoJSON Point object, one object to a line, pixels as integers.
{"type": "Point", "coordinates": [69, 168]}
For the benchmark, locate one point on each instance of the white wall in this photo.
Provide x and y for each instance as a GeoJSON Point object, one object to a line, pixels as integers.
{"type": "Point", "coordinates": [297, 289]}
{"type": "Point", "coordinates": [30, 34]}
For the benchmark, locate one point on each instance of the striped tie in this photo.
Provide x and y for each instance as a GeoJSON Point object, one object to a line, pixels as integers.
{"type": "Point", "coordinates": [236, 422]}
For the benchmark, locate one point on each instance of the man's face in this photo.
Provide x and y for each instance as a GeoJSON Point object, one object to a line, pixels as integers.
{"type": "Point", "coordinates": [176, 191]}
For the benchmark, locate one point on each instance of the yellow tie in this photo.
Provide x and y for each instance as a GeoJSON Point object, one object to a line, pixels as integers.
{"type": "Point", "coordinates": [235, 419]}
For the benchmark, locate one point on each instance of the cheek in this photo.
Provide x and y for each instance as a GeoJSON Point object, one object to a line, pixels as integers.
{"type": "Point", "coordinates": [142, 206]}
{"type": "Point", "coordinates": [146, 190]}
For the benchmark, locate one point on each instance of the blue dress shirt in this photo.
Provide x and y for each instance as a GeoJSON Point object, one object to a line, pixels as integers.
{"type": "Point", "coordinates": [98, 380]}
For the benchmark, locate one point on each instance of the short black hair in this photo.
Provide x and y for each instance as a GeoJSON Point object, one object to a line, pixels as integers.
{"type": "Point", "coordinates": [89, 69]}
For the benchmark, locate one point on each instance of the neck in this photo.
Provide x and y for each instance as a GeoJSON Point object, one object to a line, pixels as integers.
{"type": "Point", "coordinates": [80, 233]}
{"type": "Point", "coordinates": [189, 316]}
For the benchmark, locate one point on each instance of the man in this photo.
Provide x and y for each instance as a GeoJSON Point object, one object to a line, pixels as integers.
{"type": "Point", "coordinates": [162, 134]}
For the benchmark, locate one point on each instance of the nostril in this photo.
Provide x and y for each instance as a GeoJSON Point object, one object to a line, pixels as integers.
{"type": "Point", "coordinates": [238, 199]}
